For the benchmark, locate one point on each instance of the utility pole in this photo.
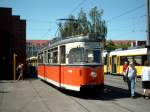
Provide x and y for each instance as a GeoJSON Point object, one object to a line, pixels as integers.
{"type": "Point", "coordinates": [148, 29]}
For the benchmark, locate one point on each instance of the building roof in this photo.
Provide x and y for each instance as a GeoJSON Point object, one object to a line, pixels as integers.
{"type": "Point", "coordinates": [38, 41]}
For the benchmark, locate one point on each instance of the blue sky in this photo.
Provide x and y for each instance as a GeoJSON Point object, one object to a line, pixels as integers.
{"type": "Point", "coordinates": [125, 19]}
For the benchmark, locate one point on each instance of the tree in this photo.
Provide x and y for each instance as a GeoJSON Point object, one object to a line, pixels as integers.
{"type": "Point", "coordinates": [83, 23]}
{"type": "Point", "coordinates": [110, 46]}
{"type": "Point", "coordinates": [67, 29]}
{"type": "Point", "coordinates": [98, 25]}
{"type": "Point", "coordinates": [83, 26]}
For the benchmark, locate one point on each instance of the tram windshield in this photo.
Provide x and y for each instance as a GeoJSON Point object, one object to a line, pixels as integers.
{"type": "Point", "coordinates": [93, 56]}
{"type": "Point", "coordinates": [76, 55]}
{"type": "Point", "coordinates": [81, 55]}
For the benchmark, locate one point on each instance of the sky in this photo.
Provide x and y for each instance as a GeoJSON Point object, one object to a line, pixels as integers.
{"type": "Point", "coordinates": [125, 19]}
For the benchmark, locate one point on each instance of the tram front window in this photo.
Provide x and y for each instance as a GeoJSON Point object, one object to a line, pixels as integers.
{"type": "Point", "coordinates": [76, 55]}
{"type": "Point", "coordinates": [93, 56]}
{"type": "Point", "coordinates": [81, 55]}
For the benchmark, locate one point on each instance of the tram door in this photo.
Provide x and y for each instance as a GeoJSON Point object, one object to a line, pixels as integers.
{"type": "Point", "coordinates": [114, 64]}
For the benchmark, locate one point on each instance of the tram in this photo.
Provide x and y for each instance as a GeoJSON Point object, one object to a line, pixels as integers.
{"type": "Point", "coordinates": [72, 63]}
{"type": "Point", "coordinates": [115, 60]}
{"type": "Point", "coordinates": [31, 67]}
{"type": "Point", "coordinates": [32, 61]}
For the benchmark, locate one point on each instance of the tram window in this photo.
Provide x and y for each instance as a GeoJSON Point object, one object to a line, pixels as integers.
{"type": "Point", "coordinates": [130, 58]}
{"type": "Point", "coordinates": [144, 58]}
{"type": "Point", "coordinates": [138, 60]}
{"type": "Point", "coordinates": [45, 57]}
{"type": "Point", "coordinates": [76, 55]}
{"type": "Point", "coordinates": [62, 54]}
{"type": "Point", "coordinates": [123, 59]}
{"type": "Point", "coordinates": [93, 56]}
{"type": "Point", "coordinates": [55, 57]}
{"type": "Point", "coordinates": [40, 58]}
{"type": "Point", "coordinates": [39, 61]}
{"type": "Point", "coordinates": [49, 57]}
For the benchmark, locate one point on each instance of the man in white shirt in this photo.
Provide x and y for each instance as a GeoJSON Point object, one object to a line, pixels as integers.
{"type": "Point", "coordinates": [145, 76]}
{"type": "Point", "coordinates": [131, 73]}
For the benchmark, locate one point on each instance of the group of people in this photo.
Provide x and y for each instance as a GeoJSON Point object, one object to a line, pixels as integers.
{"type": "Point", "coordinates": [130, 75]}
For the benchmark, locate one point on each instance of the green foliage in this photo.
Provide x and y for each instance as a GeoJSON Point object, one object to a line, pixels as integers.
{"type": "Point", "coordinates": [68, 28]}
{"type": "Point", "coordinates": [84, 26]}
{"type": "Point", "coordinates": [110, 45]}
{"type": "Point", "coordinates": [98, 26]}
{"type": "Point", "coordinates": [123, 46]}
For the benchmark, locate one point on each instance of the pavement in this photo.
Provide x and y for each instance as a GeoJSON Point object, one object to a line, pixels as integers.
{"type": "Point", "coordinates": [37, 96]}
{"type": "Point", "coordinates": [34, 96]}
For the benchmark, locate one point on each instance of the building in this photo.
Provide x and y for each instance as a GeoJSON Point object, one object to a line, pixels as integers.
{"type": "Point", "coordinates": [34, 45]}
{"type": "Point", "coordinates": [12, 44]}
{"type": "Point", "coordinates": [132, 43]}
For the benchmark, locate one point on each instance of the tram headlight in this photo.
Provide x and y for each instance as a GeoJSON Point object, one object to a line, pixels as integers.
{"type": "Point", "coordinates": [93, 74]}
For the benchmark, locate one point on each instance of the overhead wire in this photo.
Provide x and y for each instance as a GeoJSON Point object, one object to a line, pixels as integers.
{"type": "Point", "coordinates": [81, 3]}
{"type": "Point", "coordinates": [126, 12]}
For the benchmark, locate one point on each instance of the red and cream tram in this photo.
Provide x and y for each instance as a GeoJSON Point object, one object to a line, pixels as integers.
{"type": "Point", "coordinates": [72, 63]}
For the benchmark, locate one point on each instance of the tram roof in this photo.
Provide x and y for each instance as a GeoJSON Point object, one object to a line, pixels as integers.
{"type": "Point", "coordinates": [138, 51]}
{"type": "Point", "coordinates": [72, 39]}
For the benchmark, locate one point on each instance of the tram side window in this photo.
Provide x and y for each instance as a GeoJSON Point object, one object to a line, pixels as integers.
{"type": "Point", "coordinates": [76, 55]}
{"type": "Point", "coordinates": [55, 57]}
{"type": "Point", "coordinates": [62, 54]}
{"type": "Point", "coordinates": [49, 57]}
{"type": "Point", "coordinates": [40, 58]}
{"type": "Point", "coordinates": [138, 60]}
{"type": "Point", "coordinates": [144, 58]}
{"type": "Point", "coordinates": [45, 57]}
{"type": "Point", "coordinates": [123, 59]}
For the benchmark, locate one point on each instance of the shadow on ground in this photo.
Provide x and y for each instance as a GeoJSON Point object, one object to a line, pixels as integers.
{"type": "Point", "coordinates": [108, 93]}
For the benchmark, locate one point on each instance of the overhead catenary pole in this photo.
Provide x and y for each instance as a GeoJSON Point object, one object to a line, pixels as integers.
{"type": "Point", "coordinates": [148, 29]}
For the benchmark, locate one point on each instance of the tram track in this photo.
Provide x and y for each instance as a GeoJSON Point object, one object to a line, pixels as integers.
{"type": "Point", "coordinates": [40, 97]}
{"type": "Point", "coordinates": [47, 106]}
{"type": "Point", "coordinates": [84, 107]}
{"type": "Point", "coordinates": [33, 95]}
{"type": "Point", "coordinates": [95, 104]}
{"type": "Point", "coordinates": [37, 95]}
{"type": "Point", "coordinates": [89, 103]}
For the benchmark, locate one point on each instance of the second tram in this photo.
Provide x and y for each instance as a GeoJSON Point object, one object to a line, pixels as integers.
{"type": "Point", "coordinates": [114, 60]}
{"type": "Point", "coordinates": [72, 63]}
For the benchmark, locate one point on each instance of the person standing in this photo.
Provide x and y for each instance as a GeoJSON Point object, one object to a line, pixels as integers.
{"type": "Point", "coordinates": [131, 73]}
{"type": "Point", "coordinates": [145, 76]}
{"type": "Point", "coordinates": [20, 71]}
{"type": "Point", "coordinates": [125, 66]}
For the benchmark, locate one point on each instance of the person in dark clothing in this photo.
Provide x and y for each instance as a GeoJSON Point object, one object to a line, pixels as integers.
{"type": "Point", "coordinates": [20, 71]}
